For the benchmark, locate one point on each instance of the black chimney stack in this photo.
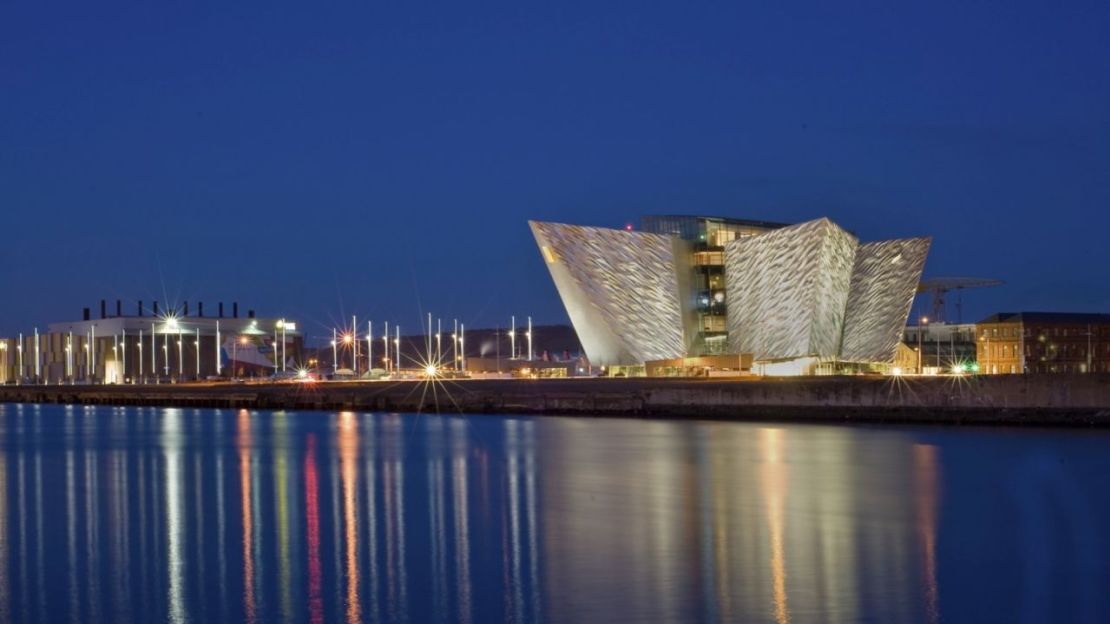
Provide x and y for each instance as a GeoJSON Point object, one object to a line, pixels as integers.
{"type": "Point", "coordinates": [103, 308]}
{"type": "Point", "coordinates": [140, 307]}
{"type": "Point", "coordinates": [186, 313]}
{"type": "Point", "coordinates": [220, 312]}
{"type": "Point", "coordinates": [119, 307]}
{"type": "Point", "coordinates": [155, 307]}
{"type": "Point", "coordinates": [250, 313]}
{"type": "Point", "coordinates": [200, 308]}
{"type": "Point", "coordinates": [86, 313]}
{"type": "Point", "coordinates": [235, 309]}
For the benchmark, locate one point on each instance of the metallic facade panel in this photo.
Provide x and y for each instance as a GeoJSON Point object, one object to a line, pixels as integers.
{"type": "Point", "coordinates": [788, 289]}
{"type": "Point", "coordinates": [625, 292]}
{"type": "Point", "coordinates": [884, 282]}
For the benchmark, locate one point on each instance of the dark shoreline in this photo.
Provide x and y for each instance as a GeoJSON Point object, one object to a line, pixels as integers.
{"type": "Point", "coordinates": [1057, 401]}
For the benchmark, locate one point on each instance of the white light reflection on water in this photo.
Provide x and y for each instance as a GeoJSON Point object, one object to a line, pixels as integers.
{"type": "Point", "coordinates": [171, 446]}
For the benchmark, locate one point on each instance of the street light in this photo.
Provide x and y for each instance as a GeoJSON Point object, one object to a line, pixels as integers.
{"type": "Point", "coordinates": [920, 333]}
{"type": "Point", "coordinates": [235, 353]}
{"type": "Point", "coordinates": [512, 338]}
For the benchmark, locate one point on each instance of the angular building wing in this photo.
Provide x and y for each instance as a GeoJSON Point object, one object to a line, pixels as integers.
{"type": "Point", "coordinates": [788, 289]}
{"type": "Point", "coordinates": [884, 282]}
{"type": "Point", "coordinates": [625, 292]}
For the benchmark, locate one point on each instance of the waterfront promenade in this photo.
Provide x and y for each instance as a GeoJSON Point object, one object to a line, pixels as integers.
{"type": "Point", "coordinates": [1059, 400]}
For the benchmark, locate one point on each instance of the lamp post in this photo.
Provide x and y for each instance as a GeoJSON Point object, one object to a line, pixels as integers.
{"type": "Point", "coordinates": [397, 346]}
{"type": "Point", "coordinates": [1088, 348]}
{"type": "Point", "coordinates": [531, 353]}
{"type": "Point", "coordinates": [219, 367]}
{"type": "Point", "coordinates": [439, 346]}
{"type": "Point", "coordinates": [512, 338]}
{"type": "Point", "coordinates": [140, 346]}
{"type": "Point", "coordinates": [920, 333]}
{"type": "Point", "coordinates": [369, 347]}
{"type": "Point", "coordinates": [385, 349]}
{"type": "Point", "coordinates": [334, 351]}
{"type": "Point", "coordinates": [197, 344]}
{"type": "Point", "coordinates": [235, 354]}
{"type": "Point", "coordinates": [153, 352]}
{"type": "Point", "coordinates": [354, 345]}
{"type": "Point", "coordinates": [462, 346]}
{"type": "Point", "coordinates": [124, 353]}
{"type": "Point", "coordinates": [19, 353]}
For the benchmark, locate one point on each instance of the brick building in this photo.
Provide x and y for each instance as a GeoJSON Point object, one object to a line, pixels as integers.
{"type": "Point", "coordinates": [1043, 342]}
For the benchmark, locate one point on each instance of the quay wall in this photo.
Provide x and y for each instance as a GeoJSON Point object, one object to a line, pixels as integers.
{"type": "Point", "coordinates": [1057, 400]}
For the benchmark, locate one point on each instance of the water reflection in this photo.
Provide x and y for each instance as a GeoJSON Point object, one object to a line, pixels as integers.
{"type": "Point", "coordinates": [135, 515]}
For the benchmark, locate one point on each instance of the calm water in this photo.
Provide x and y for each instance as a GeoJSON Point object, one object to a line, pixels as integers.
{"type": "Point", "coordinates": [182, 515]}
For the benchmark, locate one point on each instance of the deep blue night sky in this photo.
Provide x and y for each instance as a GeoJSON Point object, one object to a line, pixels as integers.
{"type": "Point", "coordinates": [318, 160]}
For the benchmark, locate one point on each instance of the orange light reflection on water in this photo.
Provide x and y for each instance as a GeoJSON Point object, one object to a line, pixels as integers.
{"type": "Point", "coordinates": [348, 454]}
{"type": "Point", "coordinates": [245, 442]}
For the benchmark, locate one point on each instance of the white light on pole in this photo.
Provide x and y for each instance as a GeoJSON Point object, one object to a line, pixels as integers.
{"type": "Point", "coordinates": [180, 354]}
{"type": "Point", "coordinates": [397, 346]}
{"type": "Point", "coordinates": [369, 346]}
{"type": "Point", "coordinates": [124, 353]}
{"type": "Point", "coordinates": [334, 351]}
{"type": "Point", "coordinates": [38, 363]}
{"type": "Point", "coordinates": [197, 343]}
{"type": "Point", "coordinates": [219, 367]}
{"type": "Point", "coordinates": [354, 345]}
{"type": "Point", "coordinates": [512, 339]}
{"type": "Point", "coordinates": [140, 346]}
{"type": "Point", "coordinates": [529, 335]}
{"type": "Point", "coordinates": [462, 346]}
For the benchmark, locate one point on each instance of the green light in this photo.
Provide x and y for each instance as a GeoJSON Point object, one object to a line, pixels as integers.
{"type": "Point", "coordinates": [975, 368]}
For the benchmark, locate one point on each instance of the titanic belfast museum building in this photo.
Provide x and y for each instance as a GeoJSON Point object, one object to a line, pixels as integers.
{"type": "Point", "coordinates": [798, 299]}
